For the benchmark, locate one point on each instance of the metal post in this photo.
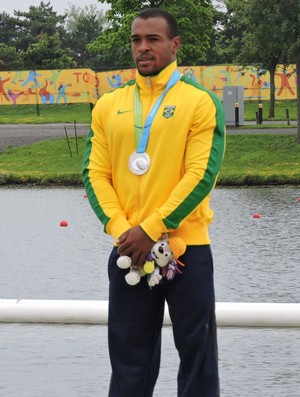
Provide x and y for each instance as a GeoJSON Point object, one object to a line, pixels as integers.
{"type": "Point", "coordinates": [287, 117]}
{"type": "Point", "coordinates": [237, 114]}
{"type": "Point", "coordinates": [76, 140]}
{"type": "Point", "coordinates": [260, 113]}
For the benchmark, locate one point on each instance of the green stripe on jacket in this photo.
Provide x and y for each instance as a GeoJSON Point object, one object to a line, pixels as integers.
{"type": "Point", "coordinates": [213, 166]}
{"type": "Point", "coordinates": [87, 183]}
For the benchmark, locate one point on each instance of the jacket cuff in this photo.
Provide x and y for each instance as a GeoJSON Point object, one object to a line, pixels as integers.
{"type": "Point", "coordinates": [117, 226]}
{"type": "Point", "coordinates": [154, 227]}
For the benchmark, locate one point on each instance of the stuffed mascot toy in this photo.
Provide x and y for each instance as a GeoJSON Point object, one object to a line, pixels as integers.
{"type": "Point", "coordinates": [162, 261]}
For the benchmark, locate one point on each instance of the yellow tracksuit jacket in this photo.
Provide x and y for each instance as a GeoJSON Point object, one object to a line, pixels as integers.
{"type": "Point", "coordinates": [186, 147]}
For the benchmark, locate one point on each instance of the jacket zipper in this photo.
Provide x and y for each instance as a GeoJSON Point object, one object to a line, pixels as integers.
{"type": "Point", "coordinates": [138, 202]}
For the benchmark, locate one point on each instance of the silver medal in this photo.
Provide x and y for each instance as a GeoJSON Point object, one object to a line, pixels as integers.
{"type": "Point", "coordinates": [139, 163]}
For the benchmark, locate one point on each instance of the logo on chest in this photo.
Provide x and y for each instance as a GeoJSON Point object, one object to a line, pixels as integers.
{"type": "Point", "coordinates": [169, 111]}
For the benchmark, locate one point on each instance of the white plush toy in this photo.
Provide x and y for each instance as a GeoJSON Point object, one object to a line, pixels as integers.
{"type": "Point", "coordinates": [135, 274]}
{"type": "Point", "coordinates": [164, 253]}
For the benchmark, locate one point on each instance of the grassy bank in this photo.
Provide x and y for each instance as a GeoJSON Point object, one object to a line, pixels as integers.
{"type": "Point", "coordinates": [63, 113]}
{"type": "Point", "coordinates": [81, 112]}
{"type": "Point", "coordinates": [249, 160]}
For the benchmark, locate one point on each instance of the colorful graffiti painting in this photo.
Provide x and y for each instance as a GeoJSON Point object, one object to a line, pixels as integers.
{"type": "Point", "coordinates": [86, 85]}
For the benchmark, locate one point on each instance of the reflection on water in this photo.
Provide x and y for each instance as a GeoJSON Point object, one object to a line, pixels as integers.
{"type": "Point", "coordinates": [256, 260]}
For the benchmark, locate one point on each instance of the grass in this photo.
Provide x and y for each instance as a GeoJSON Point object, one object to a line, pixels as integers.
{"type": "Point", "coordinates": [261, 160]}
{"type": "Point", "coordinates": [27, 114]}
{"type": "Point", "coordinates": [249, 160]}
{"type": "Point", "coordinates": [251, 107]}
{"type": "Point", "coordinates": [81, 112]}
{"type": "Point", "coordinates": [43, 163]}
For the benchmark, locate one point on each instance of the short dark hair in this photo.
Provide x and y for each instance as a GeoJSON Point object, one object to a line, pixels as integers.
{"type": "Point", "coordinates": [159, 13]}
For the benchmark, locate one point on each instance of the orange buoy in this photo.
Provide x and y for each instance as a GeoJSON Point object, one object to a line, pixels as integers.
{"type": "Point", "coordinates": [256, 215]}
{"type": "Point", "coordinates": [63, 223]}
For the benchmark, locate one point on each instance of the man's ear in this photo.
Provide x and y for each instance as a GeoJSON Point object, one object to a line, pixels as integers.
{"type": "Point", "coordinates": [176, 44]}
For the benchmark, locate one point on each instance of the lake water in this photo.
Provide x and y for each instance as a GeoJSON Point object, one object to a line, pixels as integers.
{"type": "Point", "coordinates": [256, 260]}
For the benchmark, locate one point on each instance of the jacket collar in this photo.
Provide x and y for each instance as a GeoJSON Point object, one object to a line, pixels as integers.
{"type": "Point", "coordinates": [150, 84]}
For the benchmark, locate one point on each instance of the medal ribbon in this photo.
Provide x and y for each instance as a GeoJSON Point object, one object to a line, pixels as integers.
{"type": "Point", "coordinates": [141, 138]}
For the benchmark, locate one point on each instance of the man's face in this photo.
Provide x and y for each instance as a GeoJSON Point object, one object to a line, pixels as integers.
{"type": "Point", "coordinates": [152, 49]}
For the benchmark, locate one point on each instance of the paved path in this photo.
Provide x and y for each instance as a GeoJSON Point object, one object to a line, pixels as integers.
{"type": "Point", "coordinates": [25, 134]}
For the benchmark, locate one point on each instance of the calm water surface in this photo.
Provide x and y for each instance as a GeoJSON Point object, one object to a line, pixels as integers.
{"type": "Point", "coordinates": [256, 260]}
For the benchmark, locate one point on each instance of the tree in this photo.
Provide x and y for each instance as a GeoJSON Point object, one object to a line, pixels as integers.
{"type": "Point", "coordinates": [266, 35]}
{"type": "Point", "coordinates": [7, 29]}
{"type": "Point", "coordinates": [194, 19]}
{"type": "Point", "coordinates": [221, 49]}
{"type": "Point", "coordinates": [47, 53]}
{"type": "Point", "coordinates": [83, 26]}
{"type": "Point", "coordinates": [289, 10]}
{"type": "Point", "coordinates": [38, 21]}
{"type": "Point", "coordinates": [226, 40]}
{"type": "Point", "coordinates": [10, 59]}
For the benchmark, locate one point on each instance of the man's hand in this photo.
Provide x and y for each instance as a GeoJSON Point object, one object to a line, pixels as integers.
{"type": "Point", "coordinates": [136, 244]}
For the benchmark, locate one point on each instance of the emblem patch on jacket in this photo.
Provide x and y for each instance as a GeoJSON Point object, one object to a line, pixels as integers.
{"type": "Point", "coordinates": [169, 111]}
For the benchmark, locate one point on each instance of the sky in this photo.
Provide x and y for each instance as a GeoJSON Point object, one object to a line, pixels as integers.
{"type": "Point", "coordinates": [58, 5]}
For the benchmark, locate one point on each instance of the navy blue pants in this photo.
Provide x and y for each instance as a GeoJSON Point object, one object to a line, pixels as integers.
{"type": "Point", "coordinates": [135, 322]}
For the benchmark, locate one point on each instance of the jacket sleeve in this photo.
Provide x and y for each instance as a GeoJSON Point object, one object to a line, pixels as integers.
{"type": "Point", "coordinates": [97, 179]}
{"type": "Point", "coordinates": [204, 153]}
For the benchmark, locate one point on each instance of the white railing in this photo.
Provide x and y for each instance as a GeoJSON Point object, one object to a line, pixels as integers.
{"type": "Point", "coordinates": [228, 314]}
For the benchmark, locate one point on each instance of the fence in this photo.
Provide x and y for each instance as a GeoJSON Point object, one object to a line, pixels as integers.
{"type": "Point", "coordinates": [85, 85]}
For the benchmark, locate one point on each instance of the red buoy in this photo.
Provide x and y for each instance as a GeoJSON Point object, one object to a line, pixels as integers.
{"type": "Point", "coordinates": [63, 223]}
{"type": "Point", "coordinates": [85, 196]}
{"type": "Point", "coordinates": [256, 215]}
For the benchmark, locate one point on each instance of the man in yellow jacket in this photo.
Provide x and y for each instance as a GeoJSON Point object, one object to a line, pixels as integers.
{"type": "Point", "coordinates": [152, 158]}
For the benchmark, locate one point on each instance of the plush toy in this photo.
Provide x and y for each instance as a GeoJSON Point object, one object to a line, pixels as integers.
{"type": "Point", "coordinates": [164, 255]}
{"type": "Point", "coordinates": [135, 274]}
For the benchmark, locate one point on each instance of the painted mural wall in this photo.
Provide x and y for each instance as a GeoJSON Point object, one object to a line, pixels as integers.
{"type": "Point", "coordinates": [86, 86]}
